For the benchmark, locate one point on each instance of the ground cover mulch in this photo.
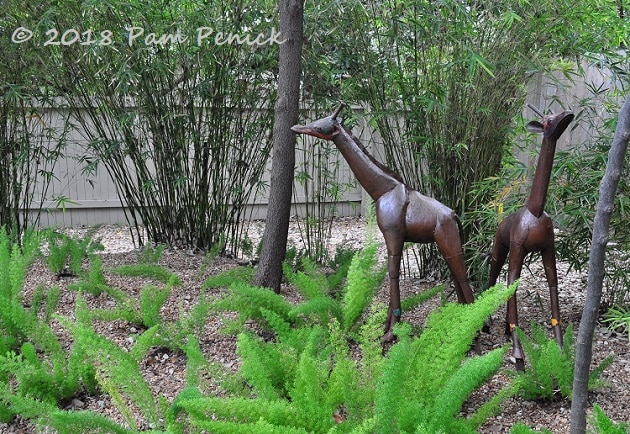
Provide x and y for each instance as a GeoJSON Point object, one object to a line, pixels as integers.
{"type": "Point", "coordinates": [165, 370]}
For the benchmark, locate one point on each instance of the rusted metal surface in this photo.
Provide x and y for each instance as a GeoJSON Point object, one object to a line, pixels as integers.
{"type": "Point", "coordinates": [530, 229]}
{"type": "Point", "coordinates": [402, 214]}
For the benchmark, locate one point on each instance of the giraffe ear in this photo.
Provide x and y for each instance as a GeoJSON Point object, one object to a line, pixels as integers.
{"type": "Point", "coordinates": [535, 127]}
{"type": "Point", "coordinates": [338, 128]}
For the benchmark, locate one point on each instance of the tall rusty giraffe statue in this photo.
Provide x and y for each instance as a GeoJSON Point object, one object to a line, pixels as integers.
{"type": "Point", "coordinates": [402, 214]}
{"type": "Point", "coordinates": [530, 229]}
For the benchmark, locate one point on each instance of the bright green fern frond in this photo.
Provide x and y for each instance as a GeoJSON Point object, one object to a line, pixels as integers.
{"type": "Point", "coordinates": [371, 346]}
{"type": "Point", "coordinates": [242, 410]}
{"type": "Point", "coordinates": [321, 309]}
{"type": "Point", "coordinates": [447, 337]}
{"type": "Point", "coordinates": [48, 416]}
{"type": "Point", "coordinates": [228, 277]}
{"type": "Point", "coordinates": [117, 371]}
{"type": "Point", "coordinates": [396, 373]}
{"type": "Point", "coordinates": [259, 427]}
{"type": "Point", "coordinates": [419, 298]}
{"type": "Point", "coordinates": [364, 279]}
{"type": "Point", "coordinates": [151, 300]}
{"type": "Point", "coordinates": [310, 282]}
{"type": "Point", "coordinates": [150, 271]}
{"type": "Point", "coordinates": [85, 422]}
{"type": "Point", "coordinates": [473, 372]}
{"type": "Point", "coordinates": [248, 300]}
{"type": "Point", "coordinates": [344, 376]}
{"type": "Point", "coordinates": [144, 342]}
{"type": "Point", "coordinates": [308, 393]}
{"type": "Point", "coordinates": [262, 366]}
{"type": "Point", "coordinates": [551, 368]}
{"type": "Point", "coordinates": [278, 324]}
{"type": "Point", "coordinates": [605, 425]}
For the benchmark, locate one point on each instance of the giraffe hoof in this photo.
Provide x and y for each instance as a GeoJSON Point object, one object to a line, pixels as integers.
{"type": "Point", "coordinates": [389, 337]}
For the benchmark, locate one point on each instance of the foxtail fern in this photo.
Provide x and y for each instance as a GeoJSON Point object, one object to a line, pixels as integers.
{"type": "Point", "coordinates": [116, 371]}
{"type": "Point", "coordinates": [551, 368]}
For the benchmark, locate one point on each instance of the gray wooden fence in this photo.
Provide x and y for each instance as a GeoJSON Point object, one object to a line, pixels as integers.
{"type": "Point", "coordinates": [93, 199]}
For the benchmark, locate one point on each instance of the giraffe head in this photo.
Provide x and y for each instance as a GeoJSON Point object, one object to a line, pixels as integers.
{"type": "Point", "coordinates": [553, 125]}
{"type": "Point", "coordinates": [326, 128]}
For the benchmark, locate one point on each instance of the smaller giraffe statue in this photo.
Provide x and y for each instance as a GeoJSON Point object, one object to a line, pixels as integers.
{"type": "Point", "coordinates": [402, 214]}
{"type": "Point", "coordinates": [530, 229]}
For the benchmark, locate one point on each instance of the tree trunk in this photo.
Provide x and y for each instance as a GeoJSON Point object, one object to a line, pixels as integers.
{"type": "Point", "coordinates": [607, 190]}
{"type": "Point", "coordinates": [269, 272]}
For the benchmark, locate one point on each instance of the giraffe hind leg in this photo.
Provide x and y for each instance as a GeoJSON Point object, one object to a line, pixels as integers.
{"type": "Point", "coordinates": [448, 240]}
{"type": "Point", "coordinates": [497, 260]}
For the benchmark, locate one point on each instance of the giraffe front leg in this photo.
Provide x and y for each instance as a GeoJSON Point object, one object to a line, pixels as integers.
{"type": "Point", "coordinates": [515, 265]}
{"type": "Point", "coordinates": [394, 312]}
{"type": "Point", "coordinates": [549, 262]}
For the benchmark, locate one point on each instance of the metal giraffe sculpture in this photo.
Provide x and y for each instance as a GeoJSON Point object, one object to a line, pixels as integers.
{"type": "Point", "coordinates": [530, 229]}
{"type": "Point", "coordinates": [402, 214]}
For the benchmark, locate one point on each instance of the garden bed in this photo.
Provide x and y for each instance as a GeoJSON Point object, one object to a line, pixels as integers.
{"type": "Point", "coordinates": [165, 370]}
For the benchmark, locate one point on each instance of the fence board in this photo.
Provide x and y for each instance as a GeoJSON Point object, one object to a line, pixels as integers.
{"type": "Point", "coordinates": [92, 198]}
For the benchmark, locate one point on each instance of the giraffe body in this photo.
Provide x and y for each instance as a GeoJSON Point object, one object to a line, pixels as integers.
{"type": "Point", "coordinates": [402, 214]}
{"type": "Point", "coordinates": [530, 229]}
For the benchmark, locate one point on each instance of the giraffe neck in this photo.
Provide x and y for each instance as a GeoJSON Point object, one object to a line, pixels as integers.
{"type": "Point", "coordinates": [538, 196]}
{"type": "Point", "coordinates": [373, 176]}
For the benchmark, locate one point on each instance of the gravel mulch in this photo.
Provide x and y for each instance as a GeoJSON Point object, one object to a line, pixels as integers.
{"type": "Point", "coordinates": [164, 370]}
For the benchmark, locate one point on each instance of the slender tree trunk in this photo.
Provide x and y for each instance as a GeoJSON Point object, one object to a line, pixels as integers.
{"type": "Point", "coordinates": [269, 272]}
{"type": "Point", "coordinates": [601, 225]}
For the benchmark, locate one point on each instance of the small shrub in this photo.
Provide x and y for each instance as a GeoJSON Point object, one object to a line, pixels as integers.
{"type": "Point", "coordinates": [66, 254]}
{"type": "Point", "coordinates": [618, 318]}
{"type": "Point", "coordinates": [174, 334]}
{"type": "Point", "coordinates": [303, 379]}
{"type": "Point", "coordinates": [151, 254]}
{"type": "Point", "coordinates": [116, 372]}
{"type": "Point", "coordinates": [604, 425]}
{"type": "Point", "coordinates": [521, 428]}
{"type": "Point", "coordinates": [227, 277]}
{"type": "Point", "coordinates": [550, 373]}
{"type": "Point", "coordinates": [93, 281]}
{"type": "Point", "coordinates": [149, 271]}
{"type": "Point", "coordinates": [27, 375]}
{"type": "Point", "coordinates": [151, 301]}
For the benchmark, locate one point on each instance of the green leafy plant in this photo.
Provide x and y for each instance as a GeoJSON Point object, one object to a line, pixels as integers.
{"type": "Point", "coordinates": [151, 301]}
{"type": "Point", "coordinates": [32, 137]}
{"type": "Point", "coordinates": [33, 362]}
{"type": "Point", "coordinates": [600, 421]}
{"type": "Point", "coordinates": [550, 373]}
{"type": "Point", "coordinates": [150, 254]}
{"type": "Point", "coordinates": [303, 379]}
{"type": "Point", "coordinates": [53, 380]}
{"type": "Point", "coordinates": [144, 312]}
{"type": "Point", "coordinates": [521, 428]}
{"type": "Point", "coordinates": [573, 198]}
{"type": "Point", "coordinates": [18, 323]}
{"type": "Point", "coordinates": [227, 277]}
{"type": "Point", "coordinates": [148, 270]}
{"type": "Point", "coordinates": [175, 334]}
{"type": "Point", "coordinates": [65, 253]}
{"type": "Point", "coordinates": [186, 172]}
{"type": "Point", "coordinates": [116, 371]}
{"type": "Point", "coordinates": [618, 318]}
{"type": "Point", "coordinates": [92, 281]}
{"type": "Point", "coordinates": [604, 425]}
